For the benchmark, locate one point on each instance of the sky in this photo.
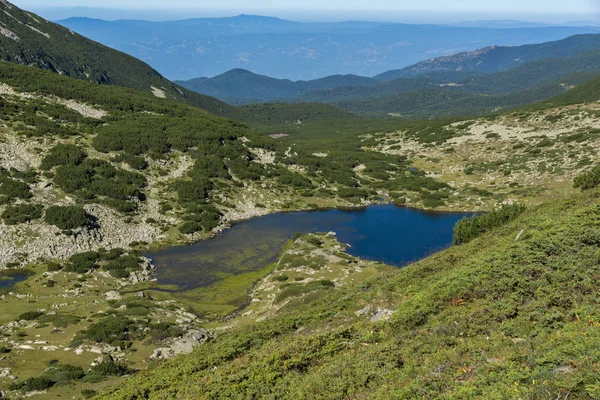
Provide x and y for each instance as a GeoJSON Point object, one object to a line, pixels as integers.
{"type": "Point", "coordinates": [539, 10]}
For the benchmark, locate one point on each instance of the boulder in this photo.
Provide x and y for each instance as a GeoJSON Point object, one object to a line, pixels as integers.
{"type": "Point", "coordinates": [183, 345]}
{"type": "Point", "coordinates": [113, 295]}
{"type": "Point", "coordinates": [382, 314]}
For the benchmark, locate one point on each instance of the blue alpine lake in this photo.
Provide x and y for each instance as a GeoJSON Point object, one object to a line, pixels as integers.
{"type": "Point", "coordinates": [387, 233]}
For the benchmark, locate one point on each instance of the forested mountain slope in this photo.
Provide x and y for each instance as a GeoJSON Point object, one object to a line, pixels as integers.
{"type": "Point", "coordinates": [428, 96]}
{"type": "Point", "coordinates": [31, 40]}
{"type": "Point", "coordinates": [241, 86]}
{"type": "Point", "coordinates": [498, 58]}
{"type": "Point", "coordinates": [431, 95]}
{"type": "Point", "coordinates": [128, 155]}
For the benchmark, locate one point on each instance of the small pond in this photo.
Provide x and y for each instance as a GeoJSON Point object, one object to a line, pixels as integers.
{"type": "Point", "coordinates": [7, 281]}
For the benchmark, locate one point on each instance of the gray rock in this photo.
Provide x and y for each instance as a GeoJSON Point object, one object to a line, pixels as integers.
{"type": "Point", "coordinates": [113, 295]}
{"type": "Point", "coordinates": [184, 345]}
{"type": "Point", "coordinates": [564, 370]}
{"type": "Point", "coordinates": [363, 311]}
{"type": "Point", "coordinates": [382, 314]}
{"type": "Point", "coordinates": [6, 373]}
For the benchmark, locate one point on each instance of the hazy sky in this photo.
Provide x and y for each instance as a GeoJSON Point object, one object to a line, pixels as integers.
{"type": "Point", "coordinates": [498, 9]}
{"type": "Point", "coordinates": [544, 6]}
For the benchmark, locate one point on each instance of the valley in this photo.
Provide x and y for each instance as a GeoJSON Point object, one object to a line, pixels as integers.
{"type": "Point", "coordinates": [204, 47]}
{"type": "Point", "coordinates": [482, 82]}
{"type": "Point", "coordinates": [430, 232]}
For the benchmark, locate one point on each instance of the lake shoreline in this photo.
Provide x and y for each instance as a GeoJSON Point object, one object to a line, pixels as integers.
{"type": "Point", "coordinates": [375, 232]}
{"type": "Point", "coordinates": [227, 225]}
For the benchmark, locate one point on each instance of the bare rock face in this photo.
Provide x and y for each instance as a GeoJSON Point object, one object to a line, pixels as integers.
{"type": "Point", "coordinates": [184, 345]}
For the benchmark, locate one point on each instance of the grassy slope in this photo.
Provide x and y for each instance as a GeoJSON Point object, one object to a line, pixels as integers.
{"type": "Point", "coordinates": [512, 314]}
{"type": "Point", "coordinates": [71, 54]}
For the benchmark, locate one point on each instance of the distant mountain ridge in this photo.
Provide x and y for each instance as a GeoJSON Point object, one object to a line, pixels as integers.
{"type": "Point", "coordinates": [441, 86]}
{"type": "Point", "coordinates": [242, 86]}
{"type": "Point", "coordinates": [28, 39]}
{"type": "Point", "coordinates": [297, 50]}
{"type": "Point", "coordinates": [497, 58]}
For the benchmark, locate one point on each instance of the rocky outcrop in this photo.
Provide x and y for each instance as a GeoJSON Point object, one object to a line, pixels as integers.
{"type": "Point", "coordinates": [35, 240]}
{"type": "Point", "coordinates": [145, 273]}
{"type": "Point", "coordinates": [183, 345]}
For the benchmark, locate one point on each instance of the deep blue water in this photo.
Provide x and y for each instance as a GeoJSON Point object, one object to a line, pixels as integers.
{"type": "Point", "coordinates": [394, 235]}
{"type": "Point", "coordinates": [6, 281]}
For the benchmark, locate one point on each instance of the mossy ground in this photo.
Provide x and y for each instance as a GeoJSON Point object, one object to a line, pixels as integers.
{"type": "Point", "coordinates": [311, 267]}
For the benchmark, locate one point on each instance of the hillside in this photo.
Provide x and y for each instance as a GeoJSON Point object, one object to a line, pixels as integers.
{"type": "Point", "coordinates": [91, 177]}
{"type": "Point", "coordinates": [586, 92]}
{"type": "Point", "coordinates": [511, 314]}
{"type": "Point", "coordinates": [95, 175]}
{"type": "Point", "coordinates": [497, 58]}
{"type": "Point", "coordinates": [450, 101]}
{"type": "Point", "coordinates": [63, 133]}
{"type": "Point", "coordinates": [30, 40]}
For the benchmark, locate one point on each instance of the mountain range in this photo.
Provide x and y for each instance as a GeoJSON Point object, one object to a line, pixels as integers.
{"type": "Point", "coordinates": [481, 81]}
{"type": "Point", "coordinates": [300, 51]}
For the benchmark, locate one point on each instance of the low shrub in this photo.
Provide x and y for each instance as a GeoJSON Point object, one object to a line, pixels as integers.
{"type": "Point", "coordinates": [22, 213]}
{"type": "Point", "coordinates": [314, 240]}
{"type": "Point", "coordinates": [63, 154]}
{"type": "Point", "coordinates": [82, 262]}
{"type": "Point", "coordinates": [110, 368]}
{"type": "Point", "coordinates": [68, 218]}
{"type": "Point", "coordinates": [30, 315]}
{"type": "Point", "coordinates": [468, 229]}
{"type": "Point", "coordinates": [588, 180]}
